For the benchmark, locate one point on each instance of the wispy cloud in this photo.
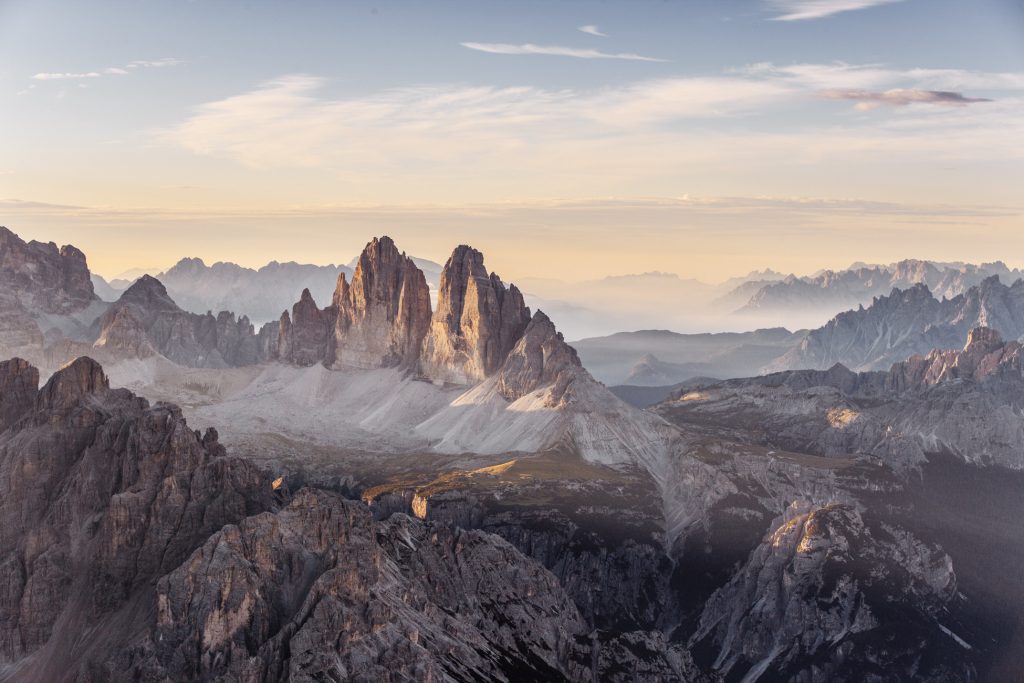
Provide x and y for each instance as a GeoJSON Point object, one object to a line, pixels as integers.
{"type": "Point", "coordinates": [59, 76]}
{"type": "Point", "coordinates": [901, 97]}
{"type": "Point", "coordinates": [109, 71]}
{"type": "Point", "coordinates": [592, 30]}
{"type": "Point", "coordinates": [156, 63]}
{"type": "Point", "coordinates": [873, 85]}
{"type": "Point", "coordinates": [628, 138]}
{"type": "Point", "coordinates": [556, 50]}
{"type": "Point", "coordinates": [284, 121]}
{"type": "Point", "coordinates": [798, 10]}
{"type": "Point", "coordinates": [875, 76]}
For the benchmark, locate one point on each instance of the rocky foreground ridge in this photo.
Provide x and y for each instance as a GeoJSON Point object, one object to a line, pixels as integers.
{"type": "Point", "coordinates": [545, 531]}
{"type": "Point", "coordinates": [137, 549]}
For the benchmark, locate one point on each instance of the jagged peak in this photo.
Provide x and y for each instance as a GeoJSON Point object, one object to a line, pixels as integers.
{"type": "Point", "coordinates": [918, 290]}
{"type": "Point", "coordinates": [378, 252]}
{"type": "Point", "coordinates": [147, 283]}
{"type": "Point", "coordinates": [464, 250]}
{"type": "Point", "coordinates": [188, 262]}
{"type": "Point", "coordinates": [540, 359]}
{"type": "Point", "coordinates": [149, 293]}
{"type": "Point", "coordinates": [16, 365]}
{"type": "Point", "coordinates": [71, 251]}
{"type": "Point", "coordinates": [340, 290]}
{"type": "Point", "coordinates": [69, 385]}
{"type": "Point", "coordinates": [380, 245]}
{"type": "Point", "coordinates": [540, 323]}
{"type": "Point", "coordinates": [983, 337]}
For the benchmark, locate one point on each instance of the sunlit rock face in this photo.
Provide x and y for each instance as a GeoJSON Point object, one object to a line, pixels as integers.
{"type": "Point", "coordinates": [829, 595]}
{"type": "Point", "coordinates": [540, 358]}
{"type": "Point", "coordinates": [385, 313]}
{"type": "Point", "coordinates": [477, 322]}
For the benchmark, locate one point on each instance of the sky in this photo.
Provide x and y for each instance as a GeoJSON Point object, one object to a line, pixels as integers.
{"type": "Point", "coordinates": [567, 139]}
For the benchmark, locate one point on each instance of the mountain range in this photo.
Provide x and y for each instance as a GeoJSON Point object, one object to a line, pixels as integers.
{"type": "Point", "coordinates": [829, 292]}
{"type": "Point", "coordinates": [907, 322]}
{"type": "Point", "coordinates": [261, 294]}
{"type": "Point", "coordinates": [399, 481]}
{"type": "Point", "coordinates": [592, 308]}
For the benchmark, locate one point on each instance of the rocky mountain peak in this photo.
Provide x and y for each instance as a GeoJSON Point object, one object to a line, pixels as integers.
{"type": "Point", "coordinates": [187, 266]}
{"type": "Point", "coordinates": [991, 283]}
{"type": "Point", "coordinates": [477, 322]}
{"type": "Point", "coordinates": [150, 294]}
{"type": "Point", "coordinates": [911, 295]}
{"type": "Point", "coordinates": [984, 355]}
{"type": "Point", "coordinates": [983, 339]}
{"type": "Point", "coordinates": [42, 277]}
{"type": "Point", "coordinates": [540, 358]}
{"type": "Point", "coordinates": [69, 385]}
{"type": "Point", "coordinates": [340, 291]}
{"type": "Point", "coordinates": [306, 336]}
{"type": "Point", "coordinates": [385, 313]}
{"type": "Point", "coordinates": [827, 555]}
{"type": "Point", "coordinates": [145, 320]}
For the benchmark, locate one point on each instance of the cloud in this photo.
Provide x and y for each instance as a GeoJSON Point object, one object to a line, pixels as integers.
{"type": "Point", "coordinates": [109, 71]}
{"type": "Point", "coordinates": [592, 30]}
{"type": "Point", "coordinates": [556, 50]}
{"type": "Point", "coordinates": [156, 63]}
{"type": "Point", "coordinates": [588, 206]}
{"type": "Point", "coordinates": [286, 122]}
{"type": "Point", "coordinates": [901, 97]}
{"type": "Point", "coordinates": [655, 136]}
{"type": "Point", "coordinates": [836, 75]}
{"type": "Point", "coordinates": [798, 10]}
{"type": "Point", "coordinates": [49, 76]}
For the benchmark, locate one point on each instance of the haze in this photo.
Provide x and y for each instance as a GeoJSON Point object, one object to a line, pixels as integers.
{"type": "Point", "coordinates": [571, 140]}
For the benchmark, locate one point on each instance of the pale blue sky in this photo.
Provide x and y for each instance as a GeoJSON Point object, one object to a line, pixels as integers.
{"type": "Point", "coordinates": [150, 129]}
